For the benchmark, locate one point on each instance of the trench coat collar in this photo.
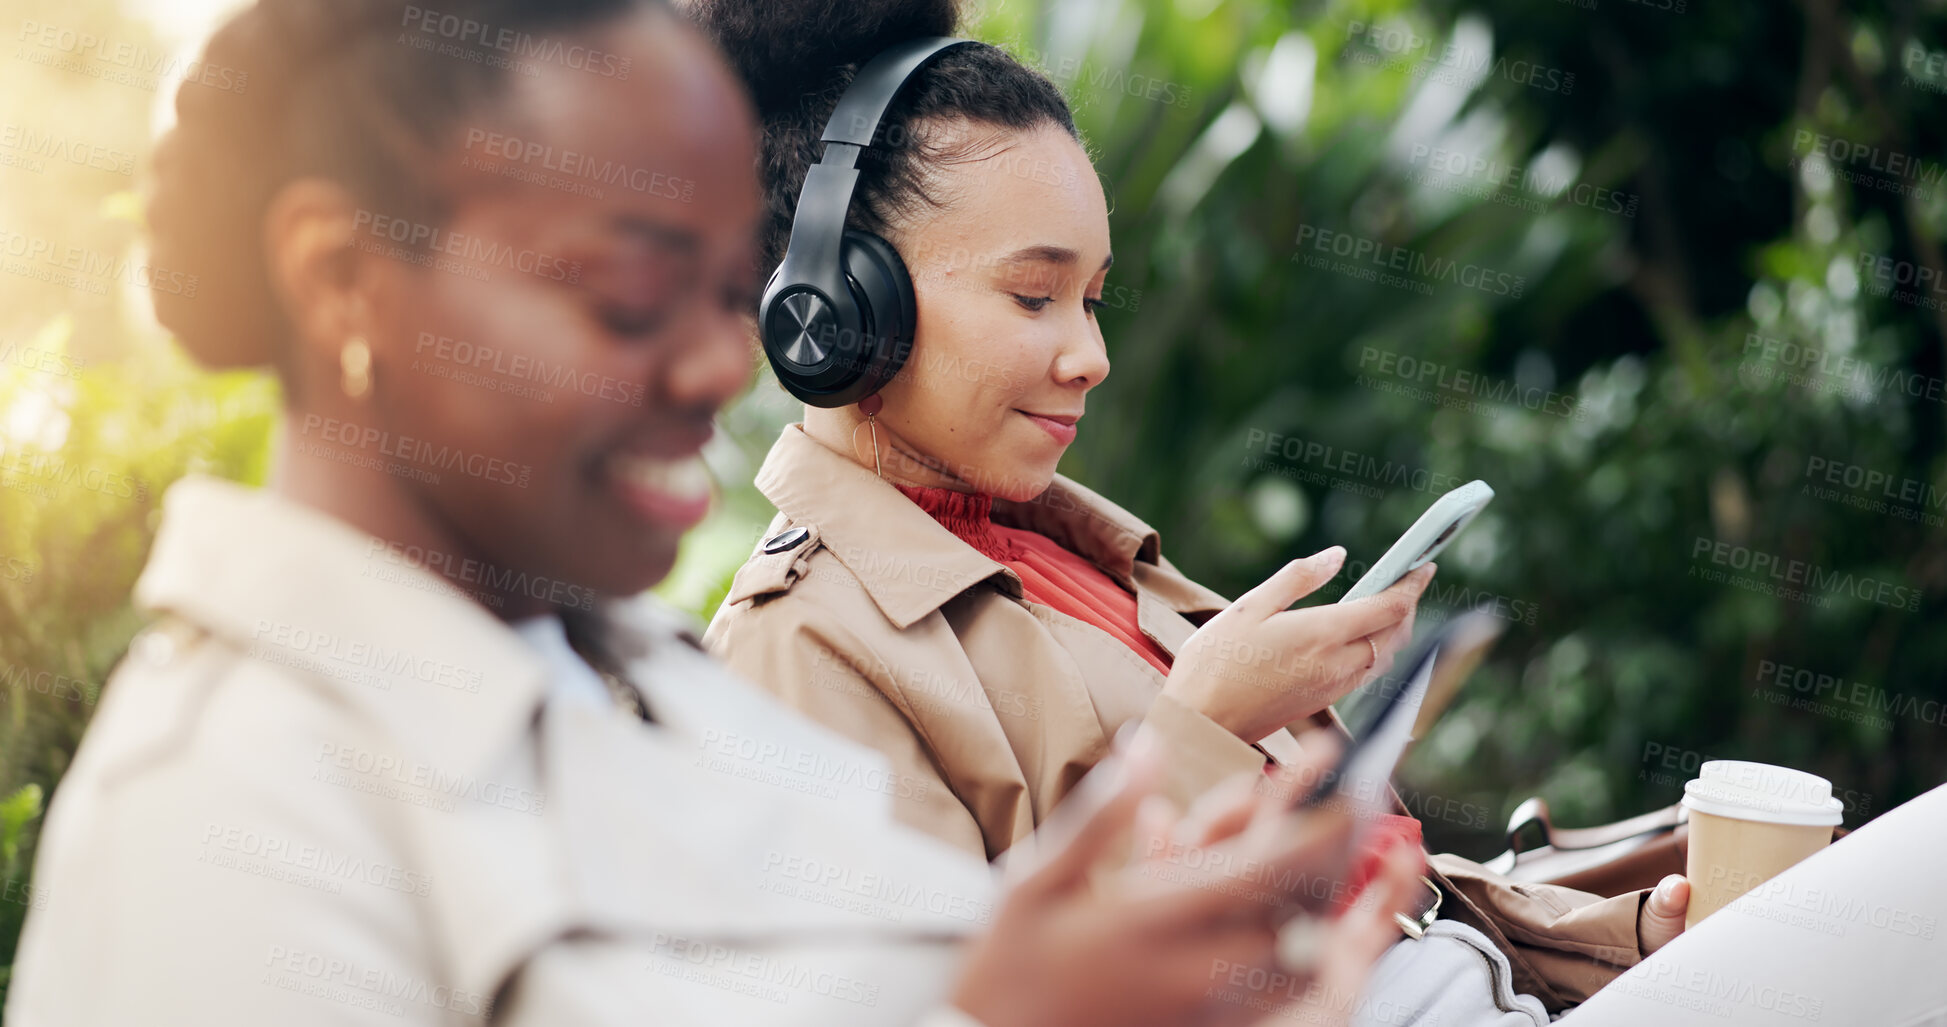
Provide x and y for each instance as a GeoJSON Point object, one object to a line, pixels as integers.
{"type": "Point", "coordinates": [280, 581]}
{"type": "Point", "coordinates": [911, 565]}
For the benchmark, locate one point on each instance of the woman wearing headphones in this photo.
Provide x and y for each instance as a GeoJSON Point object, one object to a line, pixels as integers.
{"type": "Point", "coordinates": [930, 585]}
{"type": "Point", "coordinates": [392, 753]}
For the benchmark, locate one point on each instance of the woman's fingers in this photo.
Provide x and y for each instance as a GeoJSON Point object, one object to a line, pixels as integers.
{"type": "Point", "coordinates": [1286, 857]}
{"type": "Point", "coordinates": [1362, 935]}
{"type": "Point", "coordinates": [1219, 813]}
{"type": "Point", "coordinates": [1155, 829]}
{"type": "Point", "coordinates": [1319, 751]}
{"type": "Point", "coordinates": [1395, 888]}
{"type": "Point", "coordinates": [1361, 617]}
{"type": "Point", "coordinates": [1322, 659]}
{"type": "Point", "coordinates": [1310, 858]}
{"type": "Point", "coordinates": [1663, 913]}
{"type": "Point", "coordinates": [1288, 584]}
{"type": "Point", "coordinates": [1391, 641]}
{"type": "Point", "coordinates": [1257, 666]}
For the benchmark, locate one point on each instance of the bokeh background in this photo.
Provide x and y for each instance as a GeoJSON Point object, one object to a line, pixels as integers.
{"type": "Point", "coordinates": [1667, 275]}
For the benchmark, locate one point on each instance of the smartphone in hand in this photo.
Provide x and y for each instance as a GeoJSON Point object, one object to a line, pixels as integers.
{"type": "Point", "coordinates": [1424, 540]}
{"type": "Point", "coordinates": [1384, 722]}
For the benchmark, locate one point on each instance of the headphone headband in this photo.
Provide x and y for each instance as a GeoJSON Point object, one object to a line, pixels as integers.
{"type": "Point", "coordinates": [873, 89]}
{"type": "Point", "coordinates": [837, 315]}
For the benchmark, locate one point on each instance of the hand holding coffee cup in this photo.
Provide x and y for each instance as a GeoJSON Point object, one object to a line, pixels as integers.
{"type": "Point", "coordinates": [1749, 822]}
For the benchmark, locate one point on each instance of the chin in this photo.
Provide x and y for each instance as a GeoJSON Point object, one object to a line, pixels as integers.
{"type": "Point", "coordinates": [622, 577]}
{"type": "Point", "coordinates": [1023, 485]}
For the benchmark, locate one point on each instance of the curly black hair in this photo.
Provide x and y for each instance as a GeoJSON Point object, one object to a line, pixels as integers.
{"type": "Point", "coordinates": [797, 56]}
{"type": "Point", "coordinates": [363, 92]}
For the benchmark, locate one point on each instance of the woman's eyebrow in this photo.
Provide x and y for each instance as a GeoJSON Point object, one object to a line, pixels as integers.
{"type": "Point", "coordinates": [1046, 254]}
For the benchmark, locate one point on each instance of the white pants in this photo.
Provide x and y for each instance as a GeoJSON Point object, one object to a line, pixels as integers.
{"type": "Point", "coordinates": [1855, 935]}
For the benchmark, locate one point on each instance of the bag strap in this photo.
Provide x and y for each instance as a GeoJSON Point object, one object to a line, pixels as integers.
{"type": "Point", "coordinates": [1535, 811]}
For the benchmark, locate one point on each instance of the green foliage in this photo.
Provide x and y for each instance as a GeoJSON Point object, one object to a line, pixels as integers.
{"type": "Point", "coordinates": [16, 812]}
{"type": "Point", "coordinates": [1658, 211]}
{"type": "Point", "coordinates": [84, 459]}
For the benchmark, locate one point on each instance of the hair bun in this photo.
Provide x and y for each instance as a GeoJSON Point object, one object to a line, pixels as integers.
{"type": "Point", "coordinates": [304, 84]}
{"type": "Point", "coordinates": [217, 167]}
{"type": "Point", "coordinates": [786, 51]}
{"type": "Point", "coordinates": [211, 175]}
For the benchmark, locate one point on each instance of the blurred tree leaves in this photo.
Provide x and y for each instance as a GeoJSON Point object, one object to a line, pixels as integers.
{"type": "Point", "coordinates": [1659, 212]}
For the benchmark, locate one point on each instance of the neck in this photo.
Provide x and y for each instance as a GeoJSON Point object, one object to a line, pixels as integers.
{"type": "Point", "coordinates": [846, 431]}
{"type": "Point", "coordinates": [383, 506]}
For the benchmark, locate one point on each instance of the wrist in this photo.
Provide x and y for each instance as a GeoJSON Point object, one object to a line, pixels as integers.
{"type": "Point", "coordinates": [1206, 703]}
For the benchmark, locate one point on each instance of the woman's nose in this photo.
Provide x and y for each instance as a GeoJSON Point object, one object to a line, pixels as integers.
{"type": "Point", "coordinates": [1084, 357]}
{"type": "Point", "coordinates": [715, 364]}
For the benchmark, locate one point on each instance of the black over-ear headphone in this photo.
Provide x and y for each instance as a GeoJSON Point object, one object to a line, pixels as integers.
{"type": "Point", "coordinates": [838, 314]}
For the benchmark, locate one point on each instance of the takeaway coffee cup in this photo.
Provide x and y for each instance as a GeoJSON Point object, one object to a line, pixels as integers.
{"type": "Point", "coordinates": [1749, 822]}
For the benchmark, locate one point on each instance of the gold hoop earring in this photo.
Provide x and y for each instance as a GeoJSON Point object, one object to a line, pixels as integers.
{"type": "Point", "coordinates": [355, 367]}
{"type": "Point", "coordinates": [870, 406]}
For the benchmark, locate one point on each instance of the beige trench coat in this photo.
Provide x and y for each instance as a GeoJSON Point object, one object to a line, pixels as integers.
{"type": "Point", "coordinates": [325, 788]}
{"type": "Point", "coordinates": [861, 610]}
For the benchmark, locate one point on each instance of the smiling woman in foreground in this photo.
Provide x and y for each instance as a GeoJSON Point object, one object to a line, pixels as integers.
{"type": "Point", "coordinates": [398, 748]}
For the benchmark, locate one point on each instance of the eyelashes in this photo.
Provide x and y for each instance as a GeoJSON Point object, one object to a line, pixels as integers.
{"type": "Point", "coordinates": [1036, 304]}
{"type": "Point", "coordinates": [634, 323]}
{"type": "Point", "coordinates": [644, 318]}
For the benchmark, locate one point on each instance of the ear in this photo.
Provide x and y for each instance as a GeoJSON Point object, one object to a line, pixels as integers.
{"type": "Point", "coordinates": [310, 228]}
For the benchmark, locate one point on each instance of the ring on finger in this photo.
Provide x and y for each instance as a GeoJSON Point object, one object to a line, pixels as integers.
{"type": "Point", "coordinates": [1375, 652]}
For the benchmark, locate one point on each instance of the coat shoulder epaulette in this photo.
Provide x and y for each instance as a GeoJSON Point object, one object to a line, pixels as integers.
{"type": "Point", "coordinates": [778, 562]}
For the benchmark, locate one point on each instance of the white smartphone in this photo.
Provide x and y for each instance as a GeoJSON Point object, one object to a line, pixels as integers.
{"type": "Point", "coordinates": [1424, 540]}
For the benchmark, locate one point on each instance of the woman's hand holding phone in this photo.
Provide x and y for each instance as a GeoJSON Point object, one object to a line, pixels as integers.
{"type": "Point", "coordinates": [1257, 666]}
{"type": "Point", "coordinates": [1188, 931]}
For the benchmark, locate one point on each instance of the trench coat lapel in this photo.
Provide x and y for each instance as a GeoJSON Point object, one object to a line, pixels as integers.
{"type": "Point", "coordinates": [1168, 605]}
{"type": "Point", "coordinates": [904, 559]}
{"type": "Point", "coordinates": [911, 565]}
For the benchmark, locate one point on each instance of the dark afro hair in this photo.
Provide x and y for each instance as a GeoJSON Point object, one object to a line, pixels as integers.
{"type": "Point", "coordinates": [797, 57]}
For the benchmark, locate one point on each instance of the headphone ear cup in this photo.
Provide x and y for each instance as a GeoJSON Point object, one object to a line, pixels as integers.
{"type": "Point", "coordinates": [817, 355]}
{"type": "Point", "coordinates": [884, 292]}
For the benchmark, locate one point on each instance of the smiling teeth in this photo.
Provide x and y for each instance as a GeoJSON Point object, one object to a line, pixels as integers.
{"type": "Point", "coordinates": [683, 479]}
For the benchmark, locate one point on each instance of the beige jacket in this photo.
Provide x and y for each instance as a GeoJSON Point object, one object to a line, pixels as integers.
{"type": "Point", "coordinates": [326, 788]}
{"type": "Point", "coordinates": [861, 610]}
{"type": "Point", "coordinates": [879, 622]}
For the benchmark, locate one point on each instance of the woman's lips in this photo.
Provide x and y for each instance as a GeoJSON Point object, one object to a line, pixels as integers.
{"type": "Point", "coordinates": [1061, 427]}
{"type": "Point", "coordinates": [670, 492]}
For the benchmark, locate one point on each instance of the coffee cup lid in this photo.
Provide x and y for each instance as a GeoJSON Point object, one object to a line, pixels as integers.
{"type": "Point", "coordinates": [1762, 792]}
